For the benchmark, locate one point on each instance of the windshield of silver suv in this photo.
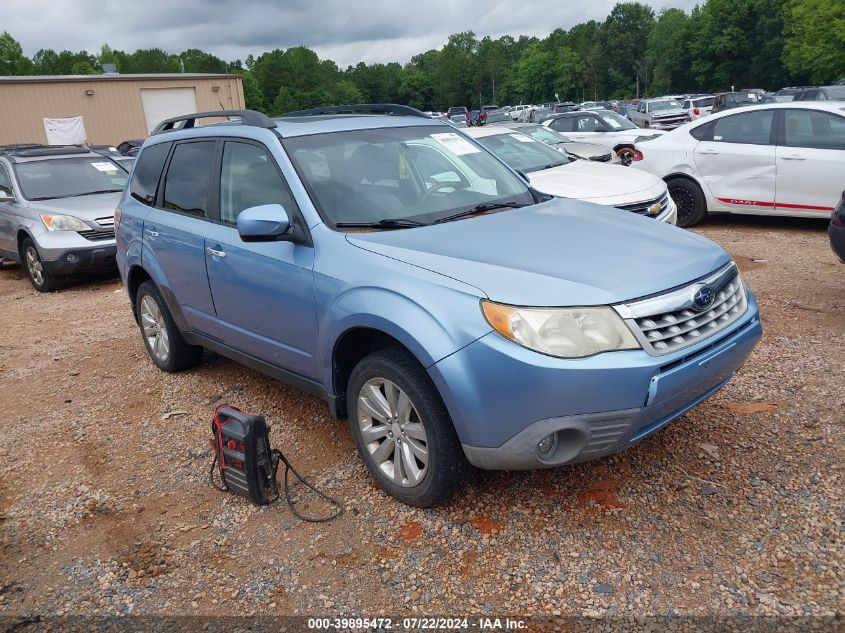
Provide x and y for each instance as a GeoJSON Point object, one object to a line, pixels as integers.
{"type": "Point", "coordinates": [69, 177]}
{"type": "Point", "coordinates": [523, 152]}
{"type": "Point", "coordinates": [668, 104]}
{"type": "Point", "coordinates": [402, 176]}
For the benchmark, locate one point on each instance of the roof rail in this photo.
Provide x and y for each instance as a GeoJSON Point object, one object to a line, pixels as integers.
{"type": "Point", "coordinates": [247, 117]}
{"type": "Point", "coordinates": [362, 108]}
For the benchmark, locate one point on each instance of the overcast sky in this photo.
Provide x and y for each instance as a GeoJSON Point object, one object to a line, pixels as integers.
{"type": "Point", "coordinates": [342, 30]}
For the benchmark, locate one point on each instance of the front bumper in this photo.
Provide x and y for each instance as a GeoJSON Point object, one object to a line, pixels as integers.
{"type": "Point", "coordinates": [504, 398]}
{"type": "Point", "coordinates": [666, 125]}
{"type": "Point", "coordinates": [67, 253]}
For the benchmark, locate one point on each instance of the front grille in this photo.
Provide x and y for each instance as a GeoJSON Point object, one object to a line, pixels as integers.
{"type": "Point", "coordinates": [107, 221]}
{"type": "Point", "coordinates": [643, 208]}
{"type": "Point", "coordinates": [670, 322]}
{"type": "Point", "coordinates": [604, 158]}
{"type": "Point", "coordinates": [679, 119]}
{"type": "Point", "coordinates": [98, 236]}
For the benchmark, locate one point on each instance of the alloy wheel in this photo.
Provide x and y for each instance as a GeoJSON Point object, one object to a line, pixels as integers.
{"type": "Point", "coordinates": [393, 433]}
{"type": "Point", "coordinates": [34, 265]}
{"type": "Point", "coordinates": [684, 200]}
{"type": "Point", "coordinates": [155, 329]}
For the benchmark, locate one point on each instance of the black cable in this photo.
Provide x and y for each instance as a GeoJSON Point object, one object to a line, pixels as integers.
{"type": "Point", "coordinates": [288, 469]}
{"type": "Point", "coordinates": [222, 488]}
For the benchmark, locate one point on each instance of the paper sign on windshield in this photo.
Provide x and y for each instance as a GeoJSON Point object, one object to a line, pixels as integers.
{"type": "Point", "coordinates": [104, 166]}
{"type": "Point", "coordinates": [613, 123]}
{"type": "Point", "coordinates": [523, 139]}
{"type": "Point", "coordinates": [455, 144]}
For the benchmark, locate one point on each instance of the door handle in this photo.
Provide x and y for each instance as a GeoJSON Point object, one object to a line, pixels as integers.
{"type": "Point", "coordinates": [709, 151]}
{"type": "Point", "coordinates": [150, 233]}
{"type": "Point", "coordinates": [793, 157]}
{"type": "Point", "coordinates": [215, 253]}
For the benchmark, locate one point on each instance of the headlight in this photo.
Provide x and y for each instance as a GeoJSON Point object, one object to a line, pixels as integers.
{"type": "Point", "coordinates": [63, 223]}
{"type": "Point", "coordinates": [562, 332]}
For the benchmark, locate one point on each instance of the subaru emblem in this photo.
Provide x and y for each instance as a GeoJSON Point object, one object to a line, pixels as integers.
{"type": "Point", "coordinates": [703, 298]}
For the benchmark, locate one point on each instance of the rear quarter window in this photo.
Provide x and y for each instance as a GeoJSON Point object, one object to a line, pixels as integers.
{"type": "Point", "coordinates": [148, 172]}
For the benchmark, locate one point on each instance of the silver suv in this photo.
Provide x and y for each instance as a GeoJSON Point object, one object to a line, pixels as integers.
{"type": "Point", "coordinates": [57, 211]}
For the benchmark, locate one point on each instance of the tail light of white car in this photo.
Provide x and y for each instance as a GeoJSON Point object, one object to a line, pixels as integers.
{"type": "Point", "coordinates": [696, 111]}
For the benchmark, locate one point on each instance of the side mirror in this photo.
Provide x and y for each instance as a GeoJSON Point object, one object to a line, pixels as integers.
{"type": "Point", "coordinates": [6, 196]}
{"type": "Point", "coordinates": [264, 223]}
{"type": "Point", "coordinates": [601, 128]}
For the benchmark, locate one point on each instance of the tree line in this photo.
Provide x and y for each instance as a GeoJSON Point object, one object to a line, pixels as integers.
{"type": "Point", "coordinates": [633, 52]}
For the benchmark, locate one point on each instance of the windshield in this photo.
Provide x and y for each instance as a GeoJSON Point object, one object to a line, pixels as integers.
{"type": "Point", "coordinates": [422, 173]}
{"type": "Point", "coordinates": [669, 104]}
{"type": "Point", "coordinates": [545, 134]}
{"type": "Point", "coordinates": [69, 177]}
{"type": "Point", "coordinates": [523, 152]}
{"type": "Point", "coordinates": [615, 122]}
{"type": "Point", "coordinates": [497, 117]}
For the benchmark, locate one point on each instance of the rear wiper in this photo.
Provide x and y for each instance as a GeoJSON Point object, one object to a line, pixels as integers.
{"type": "Point", "coordinates": [480, 208]}
{"type": "Point", "coordinates": [386, 223]}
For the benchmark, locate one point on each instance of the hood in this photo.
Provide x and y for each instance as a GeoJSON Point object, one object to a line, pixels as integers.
{"type": "Point", "coordinates": [89, 208]}
{"type": "Point", "coordinates": [558, 253]}
{"type": "Point", "coordinates": [586, 180]}
{"type": "Point", "coordinates": [662, 114]}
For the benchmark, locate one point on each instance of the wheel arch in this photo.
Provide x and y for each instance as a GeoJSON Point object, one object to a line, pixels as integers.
{"type": "Point", "coordinates": [353, 345]}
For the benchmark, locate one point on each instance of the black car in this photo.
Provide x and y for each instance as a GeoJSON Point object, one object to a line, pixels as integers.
{"type": "Point", "coordinates": [822, 93]}
{"type": "Point", "coordinates": [836, 230]}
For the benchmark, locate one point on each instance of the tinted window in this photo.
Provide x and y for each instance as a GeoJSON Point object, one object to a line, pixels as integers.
{"type": "Point", "coordinates": [522, 152]}
{"type": "Point", "coordinates": [562, 124]}
{"type": "Point", "coordinates": [702, 132]}
{"type": "Point", "coordinates": [5, 181]}
{"type": "Point", "coordinates": [148, 171]}
{"type": "Point", "coordinates": [186, 186]}
{"type": "Point", "coordinates": [806, 128]}
{"type": "Point", "coordinates": [249, 178]}
{"type": "Point", "coordinates": [754, 128]}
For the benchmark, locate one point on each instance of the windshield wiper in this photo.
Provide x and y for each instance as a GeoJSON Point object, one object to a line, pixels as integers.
{"type": "Point", "coordinates": [93, 193]}
{"type": "Point", "coordinates": [480, 208]}
{"type": "Point", "coordinates": [386, 223]}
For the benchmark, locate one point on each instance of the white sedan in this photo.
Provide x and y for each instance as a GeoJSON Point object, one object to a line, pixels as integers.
{"type": "Point", "coordinates": [558, 174]}
{"type": "Point", "coordinates": [773, 159]}
{"type": "Point", "coordinates": [605, 128]}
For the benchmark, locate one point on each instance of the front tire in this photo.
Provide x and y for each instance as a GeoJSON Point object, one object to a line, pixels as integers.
{"type": "Point", "coordinates": [40, 279]}
{"type": "Point", "coordinates": [162, 338]}
{"type": "Point", "coordinates": [688, 197]}
{"type": "Point", "coordinates": [403, 431]}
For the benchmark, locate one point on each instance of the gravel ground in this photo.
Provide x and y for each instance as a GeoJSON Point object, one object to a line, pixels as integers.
{"type": "Point", "coordinates": [735, 510]}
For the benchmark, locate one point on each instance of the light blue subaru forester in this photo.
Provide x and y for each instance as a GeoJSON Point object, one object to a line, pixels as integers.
{"type": "Point", "coordinates": [400, 271]}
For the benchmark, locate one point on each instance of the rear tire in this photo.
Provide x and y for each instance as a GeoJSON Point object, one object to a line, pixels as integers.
{"type": "Point", "coordinates": [40, 279]}
{"type": "Point", "coordinates": [162, 338]}
{"type": "Point", "coordinates": [688, 197]}
{"type": "Point", "coordinates": [403, 431]}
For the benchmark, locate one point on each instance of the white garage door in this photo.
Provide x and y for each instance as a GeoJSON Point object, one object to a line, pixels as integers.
{"type": "Point", "coordinates": [163, 103]}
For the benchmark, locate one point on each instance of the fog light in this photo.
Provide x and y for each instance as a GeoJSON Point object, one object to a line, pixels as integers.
{"type": "Point", "coordinates": [547, 445]}
{"type": "Point", "coordinates": [71, 257]}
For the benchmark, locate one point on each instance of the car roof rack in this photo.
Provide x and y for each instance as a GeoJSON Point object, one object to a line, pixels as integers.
{"type": "Point", "coordinates": [361, 108]}
{"type": "Point", "coordinates": [247, 117]}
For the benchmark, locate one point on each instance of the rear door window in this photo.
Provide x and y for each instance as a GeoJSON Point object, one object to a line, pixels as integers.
{"type": "Point", "coordinates": [148, 172]}
{"type": "Point", "coordinates": [752, 128]}
{"type": "Point", "coordinates": [187, 184]}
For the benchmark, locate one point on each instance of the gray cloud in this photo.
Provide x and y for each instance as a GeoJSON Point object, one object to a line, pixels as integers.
{"type": "Point", "coordinates": [368, 30]}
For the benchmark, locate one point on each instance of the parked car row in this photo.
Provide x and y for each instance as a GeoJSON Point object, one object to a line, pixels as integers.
{"type": "Point", "coordinates": [451, 292]}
